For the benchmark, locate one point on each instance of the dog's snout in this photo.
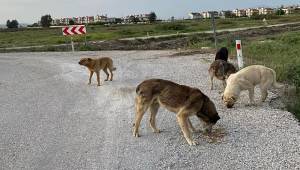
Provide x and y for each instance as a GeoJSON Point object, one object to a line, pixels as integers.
{"type": "Point", "coordinates": [229, 105]}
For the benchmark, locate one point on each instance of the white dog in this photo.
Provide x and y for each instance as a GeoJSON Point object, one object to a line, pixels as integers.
{"type": "Point", "coordinates": [247, 79]}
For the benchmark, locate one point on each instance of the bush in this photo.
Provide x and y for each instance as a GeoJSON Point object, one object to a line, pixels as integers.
{"type": "Point", "coordinates": [87, 48]}
{"type": "Point", "coordinates": [225, 22]}
{"type": "Point", "coordinates": [126, 32]}
{"type": "Point", "coordinates": [172, 26]}
{"type": "Point", "coordinates": [293, 74]}
{"type": "Point", "coordinates": [261, 17]}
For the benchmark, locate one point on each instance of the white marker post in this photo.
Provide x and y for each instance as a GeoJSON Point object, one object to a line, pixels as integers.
{"type": "Point", "coordinates": [239, 53]}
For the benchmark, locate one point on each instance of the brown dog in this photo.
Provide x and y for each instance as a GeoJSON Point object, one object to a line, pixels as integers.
{"type": "Point", "coordinates": [183, 100]}
{"type": "Point", "coordinates": [221, 70]}
{"type": "Point", "coordinates": [95, 65]}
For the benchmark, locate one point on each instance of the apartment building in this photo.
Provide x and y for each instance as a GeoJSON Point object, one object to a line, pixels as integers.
{"type": "Point", "coordinates": [239, 12]}
{"type": "Point", "coordinates": [251, 11]}
{"type": "Point", "coordinates": [265, 11]}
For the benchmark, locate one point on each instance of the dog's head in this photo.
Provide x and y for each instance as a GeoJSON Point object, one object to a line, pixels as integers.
{"type": "Point", "coordinates": [208, 113]}
{"type": "Point", "coordinates": [229, 100]}
{"type": "Point", "coordinates": [85, 61]}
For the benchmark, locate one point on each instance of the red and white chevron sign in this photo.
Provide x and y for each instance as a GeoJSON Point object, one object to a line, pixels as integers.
{"type": "Point", "coordinates": [74, 30]}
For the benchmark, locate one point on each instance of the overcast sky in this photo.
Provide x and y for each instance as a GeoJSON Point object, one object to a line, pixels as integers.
{"type": "Point", "coordinates": [29, 11]}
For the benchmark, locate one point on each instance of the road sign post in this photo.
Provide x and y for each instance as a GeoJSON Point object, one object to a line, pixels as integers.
{"type": "Point", "coordinates": [239, 53]}
{"type": "Point", "coordinates": [74, 30]}
{"type": "Point", "coordinates": [72, 44]}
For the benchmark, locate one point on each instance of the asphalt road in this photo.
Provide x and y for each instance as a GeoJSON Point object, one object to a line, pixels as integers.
{"type": "Point", "coordinates": [51, 119]}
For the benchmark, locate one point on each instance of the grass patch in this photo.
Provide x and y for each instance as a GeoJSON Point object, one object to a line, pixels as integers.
{"type": "Point", "coordinates": [51, 36]}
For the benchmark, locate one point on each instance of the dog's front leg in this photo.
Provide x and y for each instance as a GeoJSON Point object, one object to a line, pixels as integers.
{"type": "Point", "coordinates": [182, 120]}
{"type": "Point", "coordinates": [191, 126]}
{"type": "Point", "coordinates": [251, 95]}
{"type": "Point", "coordinates": [91, 75]}
{"type": "Point", "coordinates": [224, 84]}
{"type": "Point", "coordinates": [98, 77]}
{"type": "Point", "coordinates": [211, 82]}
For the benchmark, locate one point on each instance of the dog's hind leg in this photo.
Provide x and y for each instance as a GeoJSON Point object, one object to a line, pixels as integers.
{"type": "Point", "coordinates": [141, 107]}
{"type": "Point", "coordinates": [153, 110]}
{"type": "Point", "coordinates": [111, 73]}
{"type": "Point", "coordinates": [264, 94]}
{"type": "Point", "coordinates": [106, 72]}
{"type": "Point", "coordinates": [264, 91]}
{"type": "Point", "coordinates": [182, 117]}
{"type": "Point", "coordinates": [264, 86]}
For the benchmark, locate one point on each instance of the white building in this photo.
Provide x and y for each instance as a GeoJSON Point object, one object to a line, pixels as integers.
{"type": "Point", "coordinates": [195, 15]}
{"type": "Point", "coordinates": [209, 14]}
{"type": "Point", "coordinates": [252, 11]}
{"type": "Point", "coordinates": [239, 12]}
{"type": "Point", "coordinates": [265, 11]}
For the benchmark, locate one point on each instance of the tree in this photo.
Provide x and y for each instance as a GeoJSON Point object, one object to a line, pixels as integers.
{"type": "Point", "coordinates": [71, 22]}
{"type": "Point", "coordinates": [46, 20]}
{"type": "Point", "coordinates": [133, 19]}
{"type": "Point", "coordinates": [12, 24]}
{"type": "Point", "coordinates": [33, 25]}
{"type": "Point", "coordinates": [228, 14]}
{"type": "Point", "coordinates": [152, 17]}
{"type": "Point", "coordinates": [280, 12]}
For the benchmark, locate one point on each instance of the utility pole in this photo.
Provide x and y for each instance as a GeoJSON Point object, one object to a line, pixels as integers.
{"type": "Point", "coordinates": [214, 27]}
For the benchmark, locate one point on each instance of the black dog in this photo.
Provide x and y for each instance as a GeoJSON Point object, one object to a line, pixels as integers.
{"type": "Point", "coordinates": [222, 54]}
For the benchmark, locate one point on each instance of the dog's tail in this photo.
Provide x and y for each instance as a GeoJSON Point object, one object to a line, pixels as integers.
{"type": "Point", "coordinates": [275, 84]}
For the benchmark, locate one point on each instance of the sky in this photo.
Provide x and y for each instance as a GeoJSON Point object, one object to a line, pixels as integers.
{"type": "Point", "coordinates": [30, 11]}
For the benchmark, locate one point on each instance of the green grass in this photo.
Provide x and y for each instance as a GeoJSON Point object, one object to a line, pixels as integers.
{"type": "Point", "coordinates": [280, 52]}
{"type": "Point", "coordinates": [32, 37]}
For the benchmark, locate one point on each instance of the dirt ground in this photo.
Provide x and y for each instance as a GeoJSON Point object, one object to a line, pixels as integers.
{"type": "Point", "coordinates": [51, 119]}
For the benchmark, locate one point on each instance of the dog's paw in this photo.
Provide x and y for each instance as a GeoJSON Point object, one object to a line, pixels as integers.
{"type": "Point", "coordinates": [99, 85]}
{"type": "Point", "coordinates": [250, 104]}
{"type": "Point", "coordinates": [135, 134]}
{"type": "Point", "coordinates": [220, 92]}
{"type": "Point", "coordinates": [193, 143]}
{"type": "Point", "coordinates": [106, 80]}
{"type": "Point", "coordinates": [89, 83]}
{"type": "Point", "coordinates": [196, 130]}
{"type": "Point", "coordinates": [156, 131]}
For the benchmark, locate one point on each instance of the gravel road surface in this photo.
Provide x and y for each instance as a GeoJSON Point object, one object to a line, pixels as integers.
{"type": "Point", "coordinates": [51, 119]}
